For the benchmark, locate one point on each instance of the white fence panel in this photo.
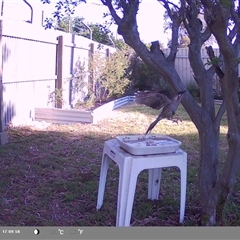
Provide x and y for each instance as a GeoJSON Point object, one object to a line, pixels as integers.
{"type": "Point", "coordinates": [30, 67]}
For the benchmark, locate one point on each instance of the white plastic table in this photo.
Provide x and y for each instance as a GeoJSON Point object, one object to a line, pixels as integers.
{"type": "Point", "coordinates": [129, 168]}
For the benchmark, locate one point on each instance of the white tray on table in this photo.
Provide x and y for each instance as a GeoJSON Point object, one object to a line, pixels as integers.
{"type": "Point", "coordinates": [148, 144]}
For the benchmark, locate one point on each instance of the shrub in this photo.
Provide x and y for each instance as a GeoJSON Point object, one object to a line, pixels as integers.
{"type": "Point", "coordinates": [56, 97]}
{"type": "Point", "coordinates": [194, 90]}
{"type": "Point", "coordinates": [143, 77]}
{"type": "Point", "coordinates": [108, 76]}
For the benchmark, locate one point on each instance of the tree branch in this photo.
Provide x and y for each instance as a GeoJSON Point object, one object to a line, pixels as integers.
{"type": "Point", "coordinates": [214, 62]}
{"type": "Point", "coordinates": [124, 5]}
{"type": "Point", "coordinates": [220, 113]}
{"type": "Point", "coordinates": [171, 3]}
{"type": "Point", "coordinates": [235, 32]}
{"type": "Point", "coordinates": [176, 16]}
{"type": "Point", "coordinates": [174, 43]}
{"type": "Point", "coordinates": [232, 32]}
{"type": "Point", "coordinates": [206, 35]}
{"type": "Point", "coordinates": [220, 74]}
{"type": "Point", "coordinates": [166, 6]}
{"type": "Point", "coordinates": [194, 24]}
{"type": "Point", "coordinates": [108, 3]}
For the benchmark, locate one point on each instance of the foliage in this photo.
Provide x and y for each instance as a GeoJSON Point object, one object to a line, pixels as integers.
{"type": "Point", "coordinates": [141, 76]}
{"type": "Point", "coordinates": [194, 90]}
{"type": "Point", "coordinates": [108, 79]}
{"type": "Point", "coordinates": [121, 45]}
{"type": "Point", "coordinates": [100, 33]}
{"type": "Point", "coordinates": [78, 87]}
{"type": "Point", "coordinates": [123, 72]}
{"type": "Point", "coordinates": [62, 21]}
{"type": "Point", "coordinates": [55, 97]}
{"type": "Point", "coordinates": [144, 77]}
{"type": "Point", "coordinates": [109, 76]}
{"type": "Point", "coordinates": [62, 8]}
{"type": "Point", "coordinates": [78, 83]}
{"type": "Point", "coordinates": [75, 26]}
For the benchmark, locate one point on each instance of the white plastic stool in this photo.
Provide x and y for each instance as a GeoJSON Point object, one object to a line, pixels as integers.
{"type": "Point", "coordinates": [129, 168]}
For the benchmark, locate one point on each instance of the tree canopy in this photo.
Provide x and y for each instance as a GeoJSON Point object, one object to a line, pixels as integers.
{"type": "Point", "coordinates": [95, 31]}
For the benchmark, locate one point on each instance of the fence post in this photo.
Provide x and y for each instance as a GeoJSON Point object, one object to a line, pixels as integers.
{"type": "Point", "coordinates": [58, 86]}
{"type": "Point", "coordinates": [91, 81]}
{"type": "Point", "coordinates": [3, 134]}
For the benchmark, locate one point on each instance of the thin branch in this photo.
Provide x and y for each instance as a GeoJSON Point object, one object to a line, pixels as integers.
{"type": "Point", "coordinates": [215, 64]}
{"type": "Point", "coordinates": [220, 74]}
{"type": "Point", "coordinates": [174, 43]}
{"type": "Point", "coordinates": [186, 25]}
{"type": "Point", "coordinates": [232, 32]}
{"type": "Point", "coordinates": [108, 3]}
{"type": "Point", "coordinates": [206, 35]}
{"type": "Point", "coordinates": [176, 17]}
{"type": "Point", "coordinates": [171, 3]}
{"type": "Point", "coordinates": [194, 23]}
{"type": "Point", "coordinates": [220, 113]}
{"type": "Point", "coordinates": [166, 6]}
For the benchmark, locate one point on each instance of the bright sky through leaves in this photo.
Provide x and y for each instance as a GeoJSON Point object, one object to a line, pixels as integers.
{"type": "Point", "coordinates": [150, 18]}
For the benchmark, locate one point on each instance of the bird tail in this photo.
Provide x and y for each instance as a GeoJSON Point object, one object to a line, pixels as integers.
{"type": "Point", "coordinates": [153, 124]}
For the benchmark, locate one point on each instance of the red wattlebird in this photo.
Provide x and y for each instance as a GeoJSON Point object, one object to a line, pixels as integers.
{"type": "Point", "coordinates": [157, 100]}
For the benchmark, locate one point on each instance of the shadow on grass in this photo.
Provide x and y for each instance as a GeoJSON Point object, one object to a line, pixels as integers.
{"type": "Point", "coordinates": [50, 178]}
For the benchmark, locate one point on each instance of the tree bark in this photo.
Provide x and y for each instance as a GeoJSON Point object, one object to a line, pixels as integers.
{"type": "Point", "coordinates": [208, 171]}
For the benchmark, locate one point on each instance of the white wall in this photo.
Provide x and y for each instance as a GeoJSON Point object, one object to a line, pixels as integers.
{"type": "Point", "coordinates": [18, 10]}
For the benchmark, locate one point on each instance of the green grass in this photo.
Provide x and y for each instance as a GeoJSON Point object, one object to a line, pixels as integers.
{"type": "Point", "coordinates": [50, 177]}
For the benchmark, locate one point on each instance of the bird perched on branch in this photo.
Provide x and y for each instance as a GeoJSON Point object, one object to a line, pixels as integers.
{"type": "Point", "coordinates": [159, 99]}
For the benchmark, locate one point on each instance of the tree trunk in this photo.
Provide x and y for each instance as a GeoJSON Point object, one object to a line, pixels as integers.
{"type": "Point", "coordinates": [216, 193]}
{"type": "Point", "coordinates": [224, 186]}
{"type": "Point", "coordinates": [219, 194]}
{"type": "Point", "coordinates": [208, 169]}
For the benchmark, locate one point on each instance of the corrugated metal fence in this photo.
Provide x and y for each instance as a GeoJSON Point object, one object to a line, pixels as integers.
{"type": "Point", "coordinates": [56, 115]}
{"type": "Point", "coordinates": [34, 65]}
{"type": "Point", "coordinates": [183, 67]}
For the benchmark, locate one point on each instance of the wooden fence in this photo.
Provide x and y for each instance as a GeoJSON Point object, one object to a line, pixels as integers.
{"type": "Point", "coordinates": [35, 62]}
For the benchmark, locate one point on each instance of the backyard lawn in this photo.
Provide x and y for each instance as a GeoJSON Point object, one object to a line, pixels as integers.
{"type": "Point", "coordinates": [49, 176]}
